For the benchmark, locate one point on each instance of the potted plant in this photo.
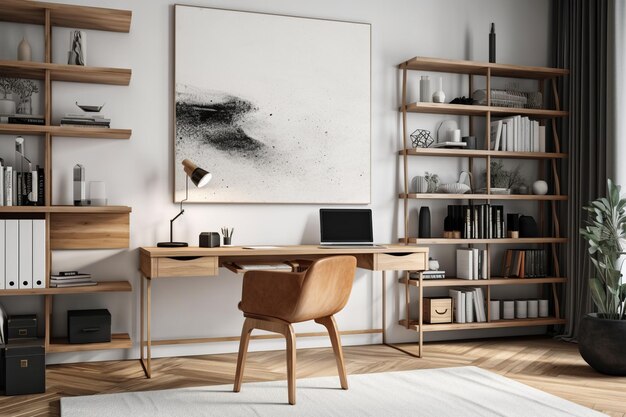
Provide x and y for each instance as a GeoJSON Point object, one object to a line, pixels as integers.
{"type": "Point", "coordinates": [602, 335]}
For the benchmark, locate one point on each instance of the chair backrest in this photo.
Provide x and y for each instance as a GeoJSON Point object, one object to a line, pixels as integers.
{"type": "Point", "coordinates": [326, 288]}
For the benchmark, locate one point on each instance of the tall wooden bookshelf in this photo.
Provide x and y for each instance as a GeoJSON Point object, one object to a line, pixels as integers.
{"type": "Point", "coordinates": [68, 227]}
{"type": "Point", "coordinates": [546, 81]}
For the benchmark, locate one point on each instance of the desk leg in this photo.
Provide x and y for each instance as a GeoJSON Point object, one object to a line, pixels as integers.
{"type": "Point", "coordinates": [145, 322]}
{"type": "Point", "coordinates": [384, 292]}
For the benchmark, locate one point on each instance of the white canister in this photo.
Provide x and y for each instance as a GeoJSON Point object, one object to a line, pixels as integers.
{"type": "Point", "coordinates": [425, 94]}
{"type": "Point", "coordinates": [521, 309]}
{"type": "Point", "coordinates": [508, 310]}
{"type": "Point", "coordinates": [456, 135]}
{"type": "Point", "coordinates": [494, 310]}
{"type": "Point", "coordinates": [533, 309]}
{"type": "Point", "coordinates": [543, 308]}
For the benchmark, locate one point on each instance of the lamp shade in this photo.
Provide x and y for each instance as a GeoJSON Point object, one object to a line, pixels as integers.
{"type": "Point", "coordinates": [200, 177]}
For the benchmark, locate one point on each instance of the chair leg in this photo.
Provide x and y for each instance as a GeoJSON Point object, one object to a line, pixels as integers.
{"type": "Point", "coordinates": [290, 337]}
{"type": "Point", "coordinates": [335, 340]}
{"type": "Point", "coordinates": [248, 326]}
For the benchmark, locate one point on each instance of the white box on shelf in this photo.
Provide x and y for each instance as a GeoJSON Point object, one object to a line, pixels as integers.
{"type": "Point", "coordinates": [508, 310]}
{"type": "Point", "coordinates": [494, 311]}
{"type": "Point", "coordinates": [533, 309]}
{"type": "Point", "coordinates": [543, 308]}
{"type": "Point", "coordinates": [25, 253]}
{"type": "Point", "coordinates": [11, 242]}
{"type": "Point", "coordinates": [39, 253]}
{"type": "Point", "coordinates": [521, 309]}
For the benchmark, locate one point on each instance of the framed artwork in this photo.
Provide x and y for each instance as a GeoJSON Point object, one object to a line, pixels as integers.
{"type": "Point", "coordinates": [276, 107]}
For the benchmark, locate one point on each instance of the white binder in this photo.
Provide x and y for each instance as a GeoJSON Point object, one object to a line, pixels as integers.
{"type": "Point", "coordinates": [2, 274]}
{"type": "Point", "coordinates": [39, 253]}
{"type": "Point", "coordinates": [26, 253]}
{"type": "Point", "coordinates": [11, 246]}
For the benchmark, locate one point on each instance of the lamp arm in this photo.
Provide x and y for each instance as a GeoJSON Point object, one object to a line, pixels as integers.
{"type": "Point", "coordinates": [182, 210]}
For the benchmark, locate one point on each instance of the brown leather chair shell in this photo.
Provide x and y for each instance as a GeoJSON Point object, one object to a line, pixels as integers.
{"type": "Point", "coordinates": [321, 291]}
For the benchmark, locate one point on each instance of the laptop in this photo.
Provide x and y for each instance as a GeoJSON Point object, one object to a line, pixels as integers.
{"type": "Point", "coordinates": [346, 229]}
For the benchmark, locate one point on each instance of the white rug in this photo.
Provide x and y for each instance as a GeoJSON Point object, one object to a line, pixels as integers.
{"type": "Point", "coordinates": [462, 392]}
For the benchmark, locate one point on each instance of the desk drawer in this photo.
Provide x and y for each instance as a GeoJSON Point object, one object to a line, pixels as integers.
{"type": "Point", "coordinates": [187, 266]}
{"type": "Point", "coordinates": [400, 261]}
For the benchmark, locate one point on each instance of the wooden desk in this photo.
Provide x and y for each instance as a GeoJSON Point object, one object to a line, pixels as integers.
{"type": "Point", "coordinates": [156, 263]}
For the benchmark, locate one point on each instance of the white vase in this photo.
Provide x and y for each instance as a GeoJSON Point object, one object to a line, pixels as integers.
{"type": "Point", "coordinates": [24, 51]}
{"type": "Point", "coordinates": [425, 89]}
{"type": "Point", "coordinates": [540, 187]}
{"type": "Point", "coordinates": [439, 96]}
{"type": "Point", "coordinates": [7, 107]}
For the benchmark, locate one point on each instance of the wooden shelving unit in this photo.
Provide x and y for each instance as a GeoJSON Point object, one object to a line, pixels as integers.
{"type": "Point", "coordinates": [68, 227]}
{"type": "Point", "coordinates": [473, 69]}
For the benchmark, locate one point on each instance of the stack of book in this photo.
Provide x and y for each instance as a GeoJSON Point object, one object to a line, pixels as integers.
{"type": "Point", "coordinates": [480, 221]}
{"type": "Point", "coordinates": [471, 263]}
{"type": "Point", "coordinates": [429, 275]}
{"type": "Point", "coordinates": [518, 134]}
{"type": "Point", "coordinates": [71, 279]}
{"type": "Point", "coordinates": [21, 188]}
{"type": "Point", "coordinates": [23, 119]}
{"type": "Point", "coordinates": [468, 305]}
{"type": "Point", "coordinates": [85, 120]}
{"type": "Point", "coordinates": [524, 263]}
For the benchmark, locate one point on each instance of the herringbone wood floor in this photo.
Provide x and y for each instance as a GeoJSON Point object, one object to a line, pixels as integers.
{"type": "Point", "coordinates": [546, 364]}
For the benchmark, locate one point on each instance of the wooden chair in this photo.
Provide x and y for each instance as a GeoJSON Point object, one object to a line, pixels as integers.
{"type": "Point", "coordinates": [273, 300]}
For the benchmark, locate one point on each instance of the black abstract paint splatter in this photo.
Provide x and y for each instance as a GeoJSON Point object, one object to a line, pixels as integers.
{"type": "Point", "coordinates": [216, 119]}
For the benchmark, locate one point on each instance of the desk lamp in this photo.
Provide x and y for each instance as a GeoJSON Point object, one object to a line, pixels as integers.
{"type": "Point", "coordinates": [200, 178]}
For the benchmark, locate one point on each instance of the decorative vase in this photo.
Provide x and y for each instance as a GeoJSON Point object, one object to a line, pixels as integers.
{"type": "Point", "coordinates": [528, 227]}
{"type": "Point", "coordinates": [540, 187]}
{"type": "Point", "coordinates": [601, 344]}
{"type": "Point", "coordinates": [492, 43]}
{"type": "Point", "coordinates": [420, 185]}
{"type": "Point", "coordinates": [25, 106]}
{"type": "Point", "coordinates": [424, 223]}
{"type": "Point", "coordinates": [425, 96]}
{"type": "Point", "coordinates": [433, 264]}
{"type": "Point", "coordinates": [440, 97]}
{"type": "Point", "coordinates": [24, 51]}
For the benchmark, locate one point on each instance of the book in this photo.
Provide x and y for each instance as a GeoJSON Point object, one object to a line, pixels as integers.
{"type": "Point", "coordinates": [542, 138]}
{"type": "Point", "coordinates": [464, 263]}
{"type": "Point", "coordinates": [496, 133]}
{"type": "Point", "coordinates": [469, 306]}
{"type": "Point", "coordinates": [68, 285]}
{"type": "Point", "coordinates": [65, 277]}
{"type": "Point", "coordinates": [40, 187]}
{"type": "Point", "coordinates": [26, 120]}
{"type": "Point", "coordinates": [458, 305]}
{"type": "Point", "coordinates": [8, 186]}
{"type": "Point", "coordinates": [67, 273]}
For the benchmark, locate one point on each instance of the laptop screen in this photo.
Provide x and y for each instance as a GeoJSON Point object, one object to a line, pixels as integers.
{"type": "Point", "coordinates": [346, 226]}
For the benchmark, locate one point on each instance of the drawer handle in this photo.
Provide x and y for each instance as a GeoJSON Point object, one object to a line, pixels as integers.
{"type": "Point", "coordinates": [444, 311]}
{"type": "Point", "coordinates": [401, 254]}
{"type": "Point", "coordinates": [22, 332]}
{"type": "Point", "coordinates": [90, 330]}
{"type": "Point", "coordinates": [184, 258]}
{"type": "Point", "coordinates": [24, 363]}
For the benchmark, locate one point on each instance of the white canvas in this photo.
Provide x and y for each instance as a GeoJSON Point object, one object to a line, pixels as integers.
{"type": "Point", "coordinates": [277, 108]}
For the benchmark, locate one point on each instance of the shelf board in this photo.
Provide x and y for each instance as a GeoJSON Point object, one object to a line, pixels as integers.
{"type": "Point", "coordinates": [443, 196]}
{"type": "Point", "coordinates": [457, 282]}
{"type": "Point", "coordinates": [477, 153]}
{"type": "Point", "coordinates": [521, 240]}
{"type": "Point", "coordinates": [480, 68]}
{"type": "Point", "coordinates": [542, 321]}
{"type": "Point", "coordinates": [65, 131]}
{"type": "Point", "coordinates": [106, 286]}
{"type": "Point", "coordinates": [63, 72]}
{"type": "Point", "coordinates": [65, 209]}
{"type": "Point", "coordinates": [118, 341]}
{"type": "Point", "coordinates": [476, 110]}
{"type": "Point", "coordinates": [66, 15]}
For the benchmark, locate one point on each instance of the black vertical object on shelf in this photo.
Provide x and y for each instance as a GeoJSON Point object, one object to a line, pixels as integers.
{"type": "Point", "coordinates": [424, 223]}
{"type": "Point", "coordinates": [492, 43]}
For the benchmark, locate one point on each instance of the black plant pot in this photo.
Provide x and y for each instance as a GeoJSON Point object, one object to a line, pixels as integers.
{"type": "Point", "coordinates": [602, 344]}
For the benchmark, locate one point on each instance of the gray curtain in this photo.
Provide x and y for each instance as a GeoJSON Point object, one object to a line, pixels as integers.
{"type": "Point", "coordinates": [581, 44]}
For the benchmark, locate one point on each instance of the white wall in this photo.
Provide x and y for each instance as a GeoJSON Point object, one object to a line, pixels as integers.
{"type": "Point", "coordinates": [138, 172]}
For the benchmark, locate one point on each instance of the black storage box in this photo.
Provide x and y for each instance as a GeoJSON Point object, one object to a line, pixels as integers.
{"type": "Point", "coordinates": [25, 367]}
{"type": "Point", "coordinates": [209, 240]}
{"type": "Point", "coordinates": [89, 326]}
{"type": "Point", "coordinates": [22, 327]}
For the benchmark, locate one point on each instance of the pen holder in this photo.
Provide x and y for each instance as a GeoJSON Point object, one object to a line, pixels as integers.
{"type": "Point", "coordinates": [227, 241]}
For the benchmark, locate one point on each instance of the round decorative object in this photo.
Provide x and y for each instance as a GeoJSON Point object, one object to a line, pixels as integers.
{"type": "Point", "coordinates": [454, 188]}
{"type": "Point", "coordinates": [540, 187]}
{"type": "Point", "coordinates": [433, 264]}
{"type": "Point", "coordinates": [601, 344]}
{"type": "Point", "coordinates": [421, 138]}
